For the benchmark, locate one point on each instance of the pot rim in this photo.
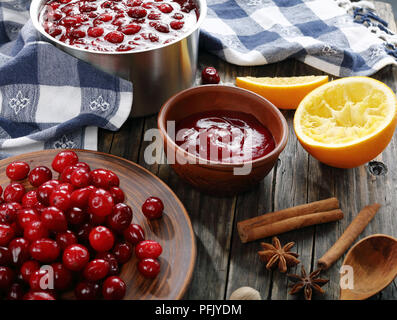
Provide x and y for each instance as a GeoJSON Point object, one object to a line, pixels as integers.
{"type": "Point", "coordinates": [35, 7]}
{"type": "Point", "coordinates": [218, 164]}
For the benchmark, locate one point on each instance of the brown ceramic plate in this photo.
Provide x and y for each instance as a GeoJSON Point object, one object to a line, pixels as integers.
{"type": "Point", "coordinates": [174, 231]}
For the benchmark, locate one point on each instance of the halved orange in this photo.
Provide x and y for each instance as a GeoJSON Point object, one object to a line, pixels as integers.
{"type": "Point", "coordinates": [347, 122]}
{"type": "Point", "coordinates": [283, 92]}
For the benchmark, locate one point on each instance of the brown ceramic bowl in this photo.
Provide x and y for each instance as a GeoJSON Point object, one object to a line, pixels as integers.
{"type": "Point", "coordinates": [215, 177]}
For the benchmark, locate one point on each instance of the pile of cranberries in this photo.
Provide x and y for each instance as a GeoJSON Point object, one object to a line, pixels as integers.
{"type": "Point", "coordinates": [118, 25]}
{"type": "Point", "coordinates": [70, 232]}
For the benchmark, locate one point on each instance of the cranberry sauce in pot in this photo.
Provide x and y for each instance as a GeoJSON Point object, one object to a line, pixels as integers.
{"type": "Point", "coordinates": [118, 25]}
{"type": "Point", "coordinates": [225, 136]}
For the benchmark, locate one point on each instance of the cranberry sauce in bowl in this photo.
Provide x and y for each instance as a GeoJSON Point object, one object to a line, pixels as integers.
{"type": "Point", "coordinates": [225, 136]}
{"type": "Point", "coordinates": [118, 25]}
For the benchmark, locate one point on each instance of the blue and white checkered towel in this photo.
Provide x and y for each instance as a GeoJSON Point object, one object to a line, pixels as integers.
{"type": "Point", "coordinates": [326, 34]}
{"type": "Point", "coordinates": [49, 99]}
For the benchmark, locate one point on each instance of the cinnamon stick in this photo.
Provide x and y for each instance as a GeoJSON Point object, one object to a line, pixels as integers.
{"type": "Point", "coordinates": [304, 209]}
{"type": "Point", "coordinates": [347, 238]}
{"type": "Point", "coordinates": [286, 225]}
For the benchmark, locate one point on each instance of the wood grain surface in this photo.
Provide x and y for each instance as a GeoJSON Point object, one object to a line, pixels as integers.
{"type": "Point", "coordinates": [173, 231]}
{"type": "Point", "coordinates": [223, 262]}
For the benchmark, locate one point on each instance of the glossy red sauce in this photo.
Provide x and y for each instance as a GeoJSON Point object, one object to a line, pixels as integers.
{"type": "Point", "coordinates": [226, 136]}
{"type": "Point", "coordinates": [118, 25]}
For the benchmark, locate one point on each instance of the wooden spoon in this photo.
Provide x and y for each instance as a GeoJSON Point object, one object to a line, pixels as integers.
{"type": "Point", "coordinates": [374, 263]}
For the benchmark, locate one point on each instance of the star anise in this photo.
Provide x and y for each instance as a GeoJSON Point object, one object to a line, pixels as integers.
{"type": "Point", "coordinates": [276, 255]}
{"type": "Point", "coordinates": [307, 283]}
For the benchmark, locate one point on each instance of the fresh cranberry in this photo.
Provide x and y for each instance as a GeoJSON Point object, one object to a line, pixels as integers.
{"type": "Point", "coordinates": [39, 175]}
{"type": "Point", "coordinates": [87, 291]}
{"type": "Point", "coordinates": [35, 230]}
{"type": "Point", "coordinates": [75, 257]}
{"type": "Point", "coordinates": [83, 232]}
{"type": "Point", "coordinates": [96, 220]}
{"type": "Point", "coordinates": [80, 178]}
{"type": "Point", "coordinates": [95, 32]}
{"type": "Point", "coordinates": [62, 276]}
{"type": "Point", "coordinates": [64, 159]}
{"type": "Point", "coordinates": [134, 234]}
{"type": "Point", "coordinates": [104, 179]}
{"type": "Point", "coordinates": [99, 178]}
{"type": "Point", "coordinates": [117, 194]}
{"type": "Point", "coordinates": [54, 219]}
{"type": "Point", "coordinates": [137, 12]}
{"type": "Point", "coordinates": [130, 29]}
{"type": "Point", "coordinates": [83, 165]}
{"type": "Point", "coordinates": [40, 295]}
{"type": "Point", "coordinates": [114, 37]}
{"type": "Point", "coordinates": [148, 249]}
{"type": "Point", "coordinates": [17, 170]}
{"type": "Point", "coordinates": [123, 252]}
{"type": "Point", "coordinates": [28, 268]}
{"type": "Point", "coordinates": [44, 192]}
{"type": "Point", "coordinates": [96, 269]}
{"type": "Point", "coordinates": [113, 179]}
{"type": "Point", "coordinates": [66, 174]}
{"type": "Point", "coordinates": [7, 277]}
{"type": "Point", "coordinates": [44, 250]}
{"type": "Point", "coordinates": [14, 192]}
{"type": "Point", "coordinates": [149, 267]}
{"type": "Point", "coordinates": [60, 199]}
{"type": "Point", "coordinates": [101, 239]}
{"type": "Point", "coordinates": [120, 218]}
{"type": "Point", "coordinates": [53, 182]}
{"type": "Point", "coordinates": [26, 216]}
{"type": "Point", "coordinates": [176, 25]}
{"type": "Point", "coordinates": [113, 288]}
{"type": "Point", "coordinates": [8, 212]}
{"type": "Point", "coordinates": [100, 202]}
{"type": "Point", "coordinates": [5, 256]}
{"type": "Point", "coordinates": [68, 187]}
{"type": "Point", "coordinates": [30, 200]}
{"type": "Point", "coordinates": [7, 233]}
{"type": "Point", "coordinates": [19, 249]}
{"type": "Point", "coordinates": [210, 76]}
{"type": "Point", "coordinates": [66, 239]}
{"type": "Point", "coordinates": [76, 216]}
{"type": "Point", "coordinates": [153, 208]}
{"type": "Point", "coordinates": [165, 8]}
{"type": "Point", "coordinates": [16, 292]}
{"type": "Point", "coordinates": [36, 281]}
{"type": "Point", "coordinates": [111, 259]}
{"type": "Point", "coordinates": [79, 197]}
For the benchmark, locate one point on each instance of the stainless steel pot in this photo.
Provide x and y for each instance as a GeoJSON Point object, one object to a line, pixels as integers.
{"type": "Point", "coordinates": [156, 73]}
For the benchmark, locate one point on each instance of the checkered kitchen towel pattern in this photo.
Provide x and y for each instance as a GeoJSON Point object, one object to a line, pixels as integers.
{"type": "Point", "coordinates": [320, 33]}
{"type": "Point", "coordinates": [49, 99]}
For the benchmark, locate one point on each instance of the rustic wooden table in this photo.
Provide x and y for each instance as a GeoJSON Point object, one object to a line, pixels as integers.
{"type": "Point", "coordinates": [223, 262]}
